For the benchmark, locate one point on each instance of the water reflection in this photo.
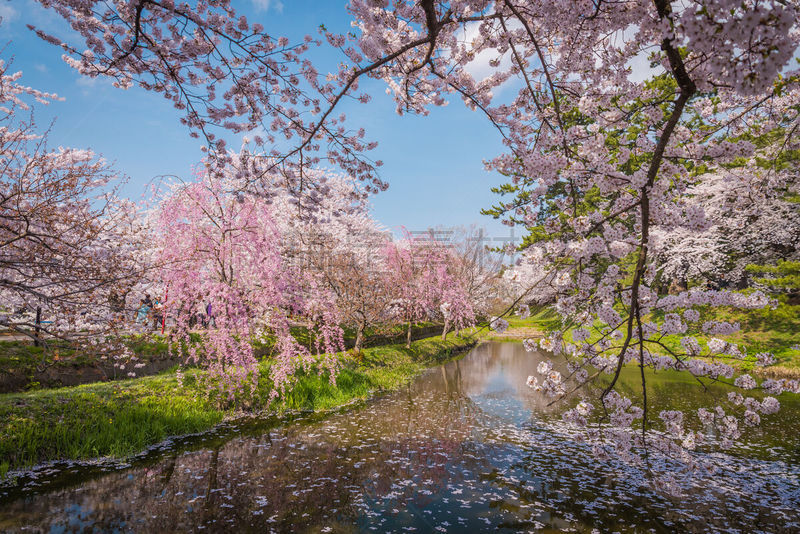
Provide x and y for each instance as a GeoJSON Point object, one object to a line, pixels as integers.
{"type": "Point", "coordinates": [467, 447]}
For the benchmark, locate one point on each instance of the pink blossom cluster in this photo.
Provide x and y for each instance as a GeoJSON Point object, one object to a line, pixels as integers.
{"type": "Point", "coordinates": [221, 253]}
{"type": "Point", "coordinates": [425, 279]}
{"type": "Point", "coordinates": [225, 74]}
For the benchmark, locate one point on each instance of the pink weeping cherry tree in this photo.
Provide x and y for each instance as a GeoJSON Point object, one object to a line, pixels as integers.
{"type": "Point", "coordinates": [411, 299]}
{"type": "Point", "coordinates": [345, 256]}
{"type": "Point", "coordinates": [221, 257]}
{"type": "Point", "coordinates": [449, 280]}
{"type": "Point", "coordinates": [420, 273]}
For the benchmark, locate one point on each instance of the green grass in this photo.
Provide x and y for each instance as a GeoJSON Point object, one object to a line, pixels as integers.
{"type": "Point", "coordinates": [545, 319]}
{"type": "Point", "coordinates": [383, 368]}
{"type": "Point", "coordinates": [24, 358]}
{"type": "Point", "coordinates": [519, 328]}
{"type": "Point", "coordinates": [101, 419]}
{"type": "Point", "coordinates": [124, 417]}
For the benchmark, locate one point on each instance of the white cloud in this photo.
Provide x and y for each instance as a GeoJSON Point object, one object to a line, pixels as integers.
{"type": "Point", "coordinates": [265, 5]}
{"type": "Point", "coordinates": [8, 13]}
{"type": "Point", "coordinates": [479, 68]}
{"type": "Point", "coordinates": [41, 67]}
{"type": "Point", "coordinates": [93, 86]}
{"type": "Point", "coordinates": [640, 67]}
{"type": "Point", "coordinates": [86, 81]}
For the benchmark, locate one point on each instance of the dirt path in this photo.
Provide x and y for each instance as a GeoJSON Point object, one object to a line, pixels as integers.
{"type": "Point", "coordinates": [517, 333]}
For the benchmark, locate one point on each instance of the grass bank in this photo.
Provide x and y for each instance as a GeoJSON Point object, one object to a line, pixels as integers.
{"type": "Point", "coordinates": [24, 366]}
{"type": "Point", "coordinates": [121, 418]}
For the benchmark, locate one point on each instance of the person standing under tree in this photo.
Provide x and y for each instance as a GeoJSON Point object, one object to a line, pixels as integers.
{"type": "Point", "coordinates": [141, 313]}
{"type": "Point", "coordinates": [209, 316]}
{"type": "Point", "coordinates": [158, 309]}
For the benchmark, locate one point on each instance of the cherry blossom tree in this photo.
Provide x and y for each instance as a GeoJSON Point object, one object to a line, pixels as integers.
{"type": "Point", "coordinates": [411, 299]}
{"type": "Point", "coordinates": [221, 249]}
{"type": "Point", "coordinates": [225, 74]}
{"type": "Point", "coordinates": [420, 273]}
{"type": "Point", "coordinates": [336, 244]}
{"type": "Point", "coordinates": [599, 160]}
{"type": "Point", "coordinates": [362, 297]}
{"type": "Point", "coordinates": [745, 225]}
{"type": "Point", "coordinates": [475, 267]}
{"type": "Point", "coordinates": [530, 283]}
{"type": "Point", "coordinates": [67, 242]}
{"type": "Point", "coordinates": [349, 262]}
{"type": "Point", "coordinates": [462, 276]}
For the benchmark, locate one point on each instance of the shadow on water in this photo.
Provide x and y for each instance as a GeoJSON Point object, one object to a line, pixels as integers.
{"type": "Point", "coordinates": [466, 447]}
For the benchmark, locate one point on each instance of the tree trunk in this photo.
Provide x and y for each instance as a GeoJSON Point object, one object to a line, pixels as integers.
{"type": "Point", "coordinates": [359, 338]}
{"type": "Point", "coordinates": [408, 336]}
{"type": "Point", "coordinates": [37, 327]}
{"type": "Point", "coordinates": [446, 328]}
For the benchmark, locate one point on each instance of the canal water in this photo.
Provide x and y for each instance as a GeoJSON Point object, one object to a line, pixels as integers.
{"type": "Point", "coordinates": [467, 447]}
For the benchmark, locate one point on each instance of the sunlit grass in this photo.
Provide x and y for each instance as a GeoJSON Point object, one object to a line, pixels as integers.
{"type": "Point", "coordinates": [382, 368]}
{"type": "Point", "coordinates": [101, 419]}
{"type": "Point", "coordinates": [26, 362]}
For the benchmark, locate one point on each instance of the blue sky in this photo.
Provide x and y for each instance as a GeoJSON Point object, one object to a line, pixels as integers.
{"type": "Point", "coordinates": [434, 164]}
